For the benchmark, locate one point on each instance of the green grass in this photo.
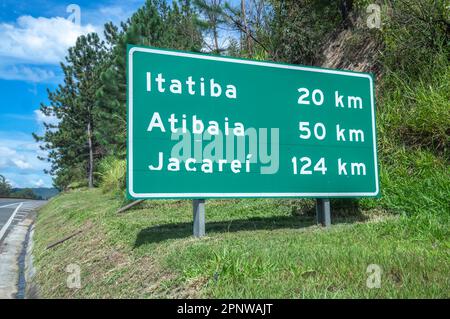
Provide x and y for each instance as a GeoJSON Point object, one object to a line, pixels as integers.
{"type": "Point", "coordinates": [418, 114]}
{"type": "Point", "coordinates": [255, 248]}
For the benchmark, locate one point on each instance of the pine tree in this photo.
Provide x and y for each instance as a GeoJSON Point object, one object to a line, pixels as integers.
{"type": "Point", "coordinates": [155, 24]}
{"type": "Point", "coordinates": [212, 11]}
{"type": "Point", "coordinates": [91, 104]}
{"type": "Point", "coordinates": [71, 143]}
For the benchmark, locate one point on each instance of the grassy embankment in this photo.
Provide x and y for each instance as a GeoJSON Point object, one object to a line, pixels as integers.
{"type": "Point", "coordinates": [254, 248]}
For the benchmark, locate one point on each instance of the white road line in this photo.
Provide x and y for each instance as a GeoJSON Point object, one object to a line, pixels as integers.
{"type": "Point", "coordinates": [9, 205]}
{"type": "Point", "coordinates": [5, 227]}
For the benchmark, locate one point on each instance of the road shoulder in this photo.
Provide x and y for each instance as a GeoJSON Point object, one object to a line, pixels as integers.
{"type": "Point", "coordinates": [9, 254]}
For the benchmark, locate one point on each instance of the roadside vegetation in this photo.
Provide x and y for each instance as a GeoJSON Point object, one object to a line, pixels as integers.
{"type": "Point", "coordinates": [257, 248]}
{"type": "Point", "coordinates": [7, 191]}
{"type": "Point", "coordinates": [264, 247]}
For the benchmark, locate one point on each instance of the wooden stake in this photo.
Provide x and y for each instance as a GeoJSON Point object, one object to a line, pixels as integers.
{"type": "Point", "coordinates": [127, 207]}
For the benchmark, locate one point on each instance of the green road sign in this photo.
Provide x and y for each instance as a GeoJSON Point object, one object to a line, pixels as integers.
{"type": "Point", "coordinates": [202, 126]}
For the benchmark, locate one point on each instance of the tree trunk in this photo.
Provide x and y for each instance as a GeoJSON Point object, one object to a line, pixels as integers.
{"type": "Point", "coordinates": [216, 41]}
{"type": "Point", "coordinates": [91, 156]}
{"type": "Point", "coordinates": [244, 23]}
{"type": "Point", "coordinates": [345, 7]}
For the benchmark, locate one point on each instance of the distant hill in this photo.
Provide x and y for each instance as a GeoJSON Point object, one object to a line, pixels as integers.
{"type": "Point", "coordinates": [42, 192]}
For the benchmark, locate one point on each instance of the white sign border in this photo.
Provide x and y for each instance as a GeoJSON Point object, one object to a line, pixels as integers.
{"type": "Point", "coordinates": [237, 195]}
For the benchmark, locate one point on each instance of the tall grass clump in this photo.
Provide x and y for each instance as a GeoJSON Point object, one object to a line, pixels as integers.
{"type": "Point", "coordinates": [112, 173]}
{"type": "Point", "coordinates": [418, 114]}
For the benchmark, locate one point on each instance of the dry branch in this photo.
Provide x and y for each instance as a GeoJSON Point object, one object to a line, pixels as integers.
{"type": "Point", "coordinates": [56, 243]}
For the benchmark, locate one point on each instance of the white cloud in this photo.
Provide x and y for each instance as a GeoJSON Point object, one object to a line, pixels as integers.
{"type": "Point", "coordinates": [11, 157]}
{"type": "Point", "coordinates": [28, 73]}
{"type": "Point", "coordinates": [28, 180]}
{"type": "Point", "coordinates": [19, 162]}
{"type": "Point", "coordinates": [42, 118]}
{"type": "Point", "coordinates": [39, 183]}
{"type": "Point", "coordinates": [115, 12]}
{"type": "Point", "coordinates": [19, 152]}
{"type": "Point", "coordinates": [5, 152]}
{"type": "Point", "coordinates": [39, 40]}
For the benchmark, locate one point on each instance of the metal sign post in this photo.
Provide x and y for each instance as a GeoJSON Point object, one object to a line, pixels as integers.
{"type": "Point", "coordinates": [323, 211]}
{"type": "Point", "coordinates": [199, 217]}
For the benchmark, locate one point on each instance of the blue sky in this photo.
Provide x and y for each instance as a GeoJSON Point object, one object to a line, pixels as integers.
{"type": "Point", "coordinates": [34, 37]}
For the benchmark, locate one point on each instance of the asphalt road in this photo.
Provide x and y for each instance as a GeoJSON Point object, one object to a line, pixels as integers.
{"type": "Point", "coordinates": [16, 217]}
{"type": "Point", "coordinates": [12, 211]}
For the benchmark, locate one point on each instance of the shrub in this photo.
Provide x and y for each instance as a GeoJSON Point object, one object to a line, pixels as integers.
{"type": "Point", "coordinates": [77, 184]}
{"type": "Point", "coordinates": [416, 37]}
{"type": "Point", "coordinates": [112, 173]}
